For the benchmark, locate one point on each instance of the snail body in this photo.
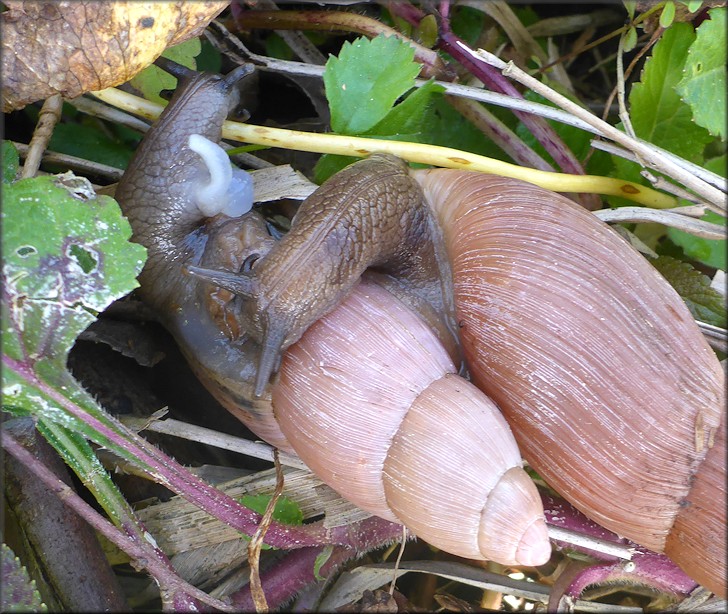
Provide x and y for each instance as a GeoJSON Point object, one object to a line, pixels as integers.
{"type": "Point", "coordinates": [640, 404]}
{"type": "Point", "coordinates": [384, 471]}
{"type": "Point", "coordinates": [372, 216]}
{"type": "Point", "coordinates": [160, 194]}
{"type": "Point", "coordinates": [583, 345]}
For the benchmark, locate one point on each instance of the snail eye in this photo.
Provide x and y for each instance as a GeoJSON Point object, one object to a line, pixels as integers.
{"type": "Point", "coordinates": [249, 262]}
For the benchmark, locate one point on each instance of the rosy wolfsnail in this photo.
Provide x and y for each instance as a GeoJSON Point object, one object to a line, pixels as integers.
{"type": "Point", "coordinates": [614, 396]}
{"type": "Point", "coordinates": [399, 385]}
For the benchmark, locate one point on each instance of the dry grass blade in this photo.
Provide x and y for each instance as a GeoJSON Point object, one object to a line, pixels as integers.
{"type": "Point", "coordinates": [256, 542]}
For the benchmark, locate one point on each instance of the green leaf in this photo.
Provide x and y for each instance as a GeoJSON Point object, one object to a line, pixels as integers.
{"type": "Point", "coordinates": [657, 112]}
{"type": "Point", "coordinates": [50, 293]}
{"type": "Point", "coordinates": [209, 59]}
{"type": "Point", "coordinates": [285, 511]}
{"type": "Point", "coordinates": [703, 302]}
{"type": "Point", "coordinates": [630, 5]}
{"type": "Point", "coordinates": [11, 162]}
{"type": "Point", "coordinates": [276, 47]}
{"type": "Point", "coordinates": [708, 251]}
{"type": "Point", "coordinates": [703, 83]}
{"type": "Point", "coordinates": [526, 14]}
{"type": "Point", "coordinates": [87, 140]}
{"type": "Point", "coordinates": [152, 80]}
{"type": "Point", "coordinates": [407, 120]}
{"type": "Point", "coordinates": [467, 22]}
{"type": "Point", "coordinates": [330, 164]}
{"type": "Point", "coordinates": [411, 120]}
{"type": "Point", "coordinates": [361, 97]}
{"type": "Point", "coordinates": [630, 39]}
{"type": "Point", "coordinates": [321, 560]}
{"type": "Point", "coordinates": [426, 31]}
{"type": "Point", "coordinates": [66, 256]}
{"type": "Point", "coordinates": [667, 16]}
{"type": "Point", "coordinates": [450, 129]}
{"type": "Point", "coordinates": [365, 81]}
{"type": "Point", "coordinates": [80, 457]}
{"type": "Point", "coordinates": [64, 259]}
{"type": "Point", "coordinates": [19, 592]}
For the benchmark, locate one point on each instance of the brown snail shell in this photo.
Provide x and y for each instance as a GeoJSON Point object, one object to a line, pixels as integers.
{"type": "Point", "coordinates": [614, 396]}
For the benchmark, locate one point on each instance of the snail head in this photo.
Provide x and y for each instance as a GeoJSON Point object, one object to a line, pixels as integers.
{"type": "Point", "coordinates": [265, 328]}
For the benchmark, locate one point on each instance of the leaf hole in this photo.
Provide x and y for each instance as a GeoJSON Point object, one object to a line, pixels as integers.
{"type": "Point", "coordinates": [26, 250]}
{"type": "Point", "coordinates": [84, 258]}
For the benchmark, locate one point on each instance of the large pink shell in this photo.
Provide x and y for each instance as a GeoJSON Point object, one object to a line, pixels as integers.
{"type": "Point", "coordinates": [370, 401]}
{"type": "Point", "coordinates": [612, 392]}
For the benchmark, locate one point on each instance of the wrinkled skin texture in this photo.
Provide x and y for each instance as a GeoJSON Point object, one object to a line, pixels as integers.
{"type": "Point", "coordinates": [371, 215]}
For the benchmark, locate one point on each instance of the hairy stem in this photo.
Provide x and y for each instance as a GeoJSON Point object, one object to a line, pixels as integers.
{"type": "Point", "coordinates": [147, 555]}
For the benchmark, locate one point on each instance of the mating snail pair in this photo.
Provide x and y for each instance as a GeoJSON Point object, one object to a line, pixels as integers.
{"type": "Point", "coordinates": [612, 393]}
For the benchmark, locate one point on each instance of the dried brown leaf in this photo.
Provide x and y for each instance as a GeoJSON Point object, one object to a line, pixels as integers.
{"type": "Point", "coordinates": [379, 602]}
{"type": "Point", "coordinates": [75, 47]}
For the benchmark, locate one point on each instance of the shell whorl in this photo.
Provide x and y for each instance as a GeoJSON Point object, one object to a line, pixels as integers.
{"type": "Point", "coordinates": [370, 401]}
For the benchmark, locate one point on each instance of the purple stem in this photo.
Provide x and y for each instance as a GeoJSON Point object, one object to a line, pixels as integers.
{"type": "Point", "coordinates": [294, 573]}
{"type": "Point", "coordinates": [494, 80]}
{"type": "Point", "coordinates": [56, 537]}
{"type": "Point", "coordinates": [172, 475]}
{"type": "Point", "coordinates": [367, 534]}
{"type": "Point", "coordinates": [560, 513]}
{"type": "Point", "coordinates": [646, 567]}
{"type": "Point", "coordinates": [284, 581]}
{"type": "Point", "coordinates": [169, 473]}
{"type": "Point", "coordinates": [177, 592]}
{"type": "Point", "coordinates": [654, 570]}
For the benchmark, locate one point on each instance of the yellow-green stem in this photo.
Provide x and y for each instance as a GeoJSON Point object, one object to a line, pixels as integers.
{"type": "Point", "coordinates": [413, 152]}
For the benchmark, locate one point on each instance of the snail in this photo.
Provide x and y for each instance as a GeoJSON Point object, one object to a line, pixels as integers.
{"type": "Point", "coordinates": [612, 393]}
{"type": "Point", "coordinates": [163, 194]}
{"type": "Point", "coordinates": [596, 363]}
{"type": "Point", "coordinates": [579, 341]}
